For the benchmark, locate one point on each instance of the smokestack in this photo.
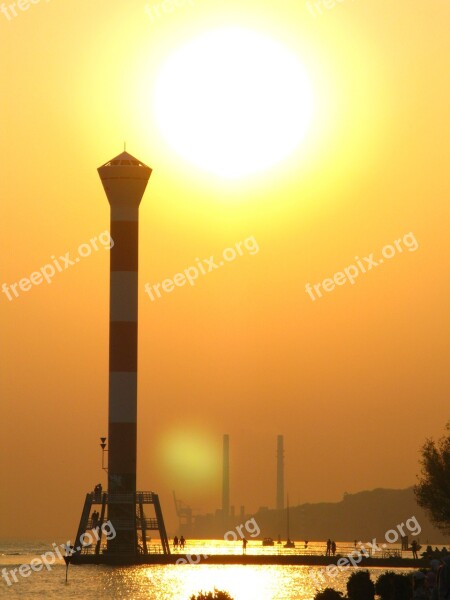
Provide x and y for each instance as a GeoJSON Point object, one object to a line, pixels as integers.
{"type": "Point", "coordinates": [226, 477]}
{"type": "Point", "coordinates": [280, 473]}
{"type": "Point", "coordinates": [124, 179]}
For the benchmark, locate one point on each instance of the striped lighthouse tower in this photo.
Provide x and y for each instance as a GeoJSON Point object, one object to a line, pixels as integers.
{"type": "Point", "coordinates": [124, 179]}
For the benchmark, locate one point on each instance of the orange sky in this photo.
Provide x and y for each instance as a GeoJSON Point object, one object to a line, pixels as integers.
{"type": "Point", "coordinates": [355, 380]}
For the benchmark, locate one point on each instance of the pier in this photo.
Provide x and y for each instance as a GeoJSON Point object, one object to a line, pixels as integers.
{"type": "Point", "coordinates": [248, 559]}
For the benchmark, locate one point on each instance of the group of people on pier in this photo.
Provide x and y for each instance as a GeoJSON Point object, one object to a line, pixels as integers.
{"type": "Point", "coordinates": [179, 542]}
{"type": "Point", "coordinates": [331, 548]}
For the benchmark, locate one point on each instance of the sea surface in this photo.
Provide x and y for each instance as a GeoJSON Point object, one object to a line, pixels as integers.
{"type": "Point", "coordinates": [170, 582]}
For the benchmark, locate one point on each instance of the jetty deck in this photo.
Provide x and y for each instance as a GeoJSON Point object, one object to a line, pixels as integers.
{"type": "Point", "coordinates": [249, 559]}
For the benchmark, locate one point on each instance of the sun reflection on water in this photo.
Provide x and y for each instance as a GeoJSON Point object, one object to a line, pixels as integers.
{"type": "Point", "coordinates": [180, 582]}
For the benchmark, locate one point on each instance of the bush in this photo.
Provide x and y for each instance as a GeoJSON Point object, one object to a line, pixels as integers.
{"type": "Point", "coordinates": [216, 595]}
{"type": "Point", "coordinates": [360, 586]}
{"type": "Point", "coordinates": [393, 586]}
{"type": "Point", "coordinates": [328, 594]}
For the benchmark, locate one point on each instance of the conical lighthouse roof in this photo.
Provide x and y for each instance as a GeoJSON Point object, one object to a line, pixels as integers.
{"type": "Point", "coordinates": [119, 167]}
{"type": "Point", "coordinates": [124, 179]}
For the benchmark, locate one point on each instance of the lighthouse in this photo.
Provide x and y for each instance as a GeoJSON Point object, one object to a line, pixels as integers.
{"type": "Point", "coordinates": [124, 180]}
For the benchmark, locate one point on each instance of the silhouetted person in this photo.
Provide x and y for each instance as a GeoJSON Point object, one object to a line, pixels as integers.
{"type": "Point", "coordinates": [95, 517]}
{"type": "Point", "coordinates": [182, 542]}
{"type": "Point", "coordinates": [432, 578]}
{"type": "Point", "coordinates": [419, 590]}
{"type": "Point", "coordinates": [443, 579]}
{"type": "Point", "coordinates": [244, 546]}
{"type": "Point", "coordinates": [333, 548]}
{"type": "Point", "coordinates": [414, 548]}
{"type": "Point", "coordinates": [328, 547]}
{"type": "Point", "coordinates": [175, 542]}
{"type": "Point", "coordinates": [98, 491]}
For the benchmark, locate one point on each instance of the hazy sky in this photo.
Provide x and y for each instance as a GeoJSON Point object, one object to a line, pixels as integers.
{"type": "Point", "coordinates": [355, 379]}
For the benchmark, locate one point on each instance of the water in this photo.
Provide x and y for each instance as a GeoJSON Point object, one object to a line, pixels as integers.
{"type": "Point", "coordinates": [166, 582]}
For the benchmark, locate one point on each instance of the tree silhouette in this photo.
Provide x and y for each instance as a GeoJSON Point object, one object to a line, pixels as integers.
{"type": "Point", "coordinates": [360, 586]}
{"type": "Point", "coordinates": [328, 594]}
{"type": "Point", "coordinates": [216, 595]}
{"type": "Point", "coordinates": [393, 586]}
{"type": "Point", "coordinates": [433, 490]}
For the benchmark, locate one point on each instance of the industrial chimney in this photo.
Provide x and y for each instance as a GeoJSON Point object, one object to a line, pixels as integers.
{"type": "Point", "coordinates": [280, 473]}
{"type": "Point", "coordinates": [226, 478]}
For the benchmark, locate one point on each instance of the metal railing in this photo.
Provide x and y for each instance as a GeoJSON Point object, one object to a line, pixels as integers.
{"type": "Point", "coordinates": [123, 497]}
{"type": "Point", "coordinates": [255, 547]}
{"type": "Point", "coordinates": [151, 549]}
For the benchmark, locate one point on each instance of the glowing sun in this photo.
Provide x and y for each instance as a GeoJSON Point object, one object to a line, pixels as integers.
{"type": "Point", "coordinates": [233, 102]}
